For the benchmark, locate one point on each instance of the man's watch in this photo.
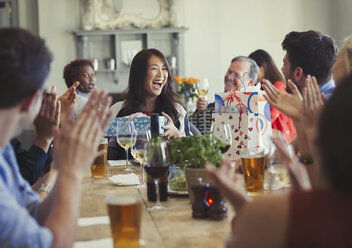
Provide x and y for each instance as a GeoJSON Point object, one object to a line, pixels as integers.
{"type": "Point", "coordinates": [305, 159]}
{"type": "Point", "coordinates": [45, 188]}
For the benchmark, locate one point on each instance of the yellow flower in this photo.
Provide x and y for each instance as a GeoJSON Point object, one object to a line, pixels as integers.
{"type": "Point", "coordinates": [178, 79]}
{"type": "Point", "coordinates": [192, 80]}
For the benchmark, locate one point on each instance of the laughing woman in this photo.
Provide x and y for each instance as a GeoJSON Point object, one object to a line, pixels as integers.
{"type": "Point", "coordinates": [150, 90]}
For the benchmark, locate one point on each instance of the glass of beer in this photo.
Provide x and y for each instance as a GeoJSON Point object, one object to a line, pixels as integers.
{"type": "Point", "coordinates": [125, 212]}
{"type": "Point", "coordinates": [253, 165]}
{"type": "Point", "coordinates": [98, 167]}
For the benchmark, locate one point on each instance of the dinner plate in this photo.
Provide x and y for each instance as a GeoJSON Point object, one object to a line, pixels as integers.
{"type": "Point", "coordinates": [176, 193]}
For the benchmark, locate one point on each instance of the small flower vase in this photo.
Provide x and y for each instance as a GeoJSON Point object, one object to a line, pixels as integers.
{"type": "Point", "coordinates": [190, 104]}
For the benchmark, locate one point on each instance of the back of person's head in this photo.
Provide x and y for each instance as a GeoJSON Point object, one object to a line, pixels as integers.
{"type": "Point", "coordinates": [24, 65]}
{"type": "Point", "coordinates": [135, 99]}
{"type": "Point", "coordinates": [313, 51]}
{"type": "Point", "coordinates": [334, 138]}
{"type": "Point", "coordinates": [71, 70]}
{"type": "Point", "coordinates": [262, 58]}
{"type": "Point", "coordinates": [253, 67]}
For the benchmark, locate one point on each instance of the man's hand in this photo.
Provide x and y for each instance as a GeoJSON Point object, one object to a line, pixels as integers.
{"type": "Point", "coordinates": [298, 173]}
{"type": "Point", "coordinates": [229, 185]}
{"type": "Point", "coordinates": [312, 104]}
{"type": "Point", "coordinates": [68, 100]}
{"type": "Point", "coordinates": [47, 119]}
{"type": "Point", "coordinates": [171, 132]}
{"type": "Point", "coordinates": [76, 142]}
{"type": "Point", "coordinates": [290, 105]}
{"type": "Point", "coordinates": [202, 104]}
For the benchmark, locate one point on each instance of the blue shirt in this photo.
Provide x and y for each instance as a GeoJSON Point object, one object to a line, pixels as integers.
{"type": "Point", "coordinates": [328, 88]}
{"type": "Point", "coordinates": [19, 206]}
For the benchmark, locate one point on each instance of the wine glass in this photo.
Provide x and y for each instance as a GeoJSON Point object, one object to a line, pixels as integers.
{"type": "Point", "coordinates": [278, 171]}
{"type": "Point", "coordinates": [157, 158]}
{"type": "Point", "coordinates": [202, 87]}
{"type": "Point", "coordinates": [223, 132]}
{"type": "Point", "coordinates": [126, 138]}
{"type": "Point", "coordinates": [137, 152]}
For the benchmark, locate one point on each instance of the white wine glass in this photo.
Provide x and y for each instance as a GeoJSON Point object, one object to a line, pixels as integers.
{"type": "Point", "coordinates": [126, 138]}
{"type": "Point", "coordinates": [223, 132]}
{"type": "Point", "coordinates": [137, 152]}
{"type": "Point", "coordinates": [202, 87]}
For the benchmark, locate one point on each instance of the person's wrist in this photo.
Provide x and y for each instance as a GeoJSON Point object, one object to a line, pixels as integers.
{"type": "Point", "coordinates": [43, 143]}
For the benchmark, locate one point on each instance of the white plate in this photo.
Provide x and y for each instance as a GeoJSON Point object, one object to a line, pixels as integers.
{"type": "Point", "coordinates": [174, 192]}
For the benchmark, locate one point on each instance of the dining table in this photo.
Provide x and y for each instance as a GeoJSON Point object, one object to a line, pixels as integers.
{"type": "Point", "coordinates": [170, 228]}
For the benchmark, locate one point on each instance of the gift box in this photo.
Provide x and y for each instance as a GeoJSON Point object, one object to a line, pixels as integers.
{"type": "Point", "coordinates": [248, 114]}
{"type": "Point", "coordinates": [142, 124]}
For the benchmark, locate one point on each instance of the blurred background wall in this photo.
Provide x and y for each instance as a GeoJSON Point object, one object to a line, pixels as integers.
{"type": "Point", "coordinates": [218, 30]}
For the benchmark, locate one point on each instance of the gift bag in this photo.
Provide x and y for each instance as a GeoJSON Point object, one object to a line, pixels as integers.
{"type": "Point", "coordinates": [248, 114]}
{"type": "Point", "coordinates": [141, 123]}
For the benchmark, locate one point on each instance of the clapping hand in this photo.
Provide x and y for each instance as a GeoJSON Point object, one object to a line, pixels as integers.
{"type": "Point", "coordinates": [229, 185]}
{"type": "Point", "coordinates": [313, 103]}
{"type": "Point", "coordinates": [76, 142]}
{"type": "Point", "coordinates": [290, 104]}
{"type": "Point", "coordinates": [47, 119]}
{"type": "Point", "coordinates": [298, 174]}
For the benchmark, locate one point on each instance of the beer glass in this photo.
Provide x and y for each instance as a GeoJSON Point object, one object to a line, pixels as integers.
{"type": "Point", "coordinates": [253, 165]}
{"type": "Point", "coordinates": [125, 212]}
{"type": "Point", "coordinates": [98, 168]}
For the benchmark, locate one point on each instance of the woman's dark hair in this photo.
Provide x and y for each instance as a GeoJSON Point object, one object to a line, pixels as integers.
{"type": "Point", "coordinates": [71, 70]}
{"type": "Point", "coordinates": [262, 58]}
{"type": "Point", "coordinates": [135, 99]}
{"type": "Point", "coordinates": [334, 138]}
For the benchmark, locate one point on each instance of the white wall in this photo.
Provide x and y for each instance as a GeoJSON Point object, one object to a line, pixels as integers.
{"type": "Point", "coordinates": [218, 30]}
{"type": "Point", "coordinates": [227, 28]}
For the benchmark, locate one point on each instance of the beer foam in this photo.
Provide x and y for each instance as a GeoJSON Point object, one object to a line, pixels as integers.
{"type": "Point", "coordinates": [123, 199]}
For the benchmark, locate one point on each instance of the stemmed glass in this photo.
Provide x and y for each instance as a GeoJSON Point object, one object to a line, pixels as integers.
{"type": "Point", "coordinates": [126, 139]}
{"type": "Point", "coordinates": [138, 153]}
{"type": "Point", "coordinates": [279, 174]}
{"type": "Point", "coordinates": [157, 165]}
{"type": "Point", "coordinates": [202, 87]}
{"type": "Point", "coordinates": [223, 132]}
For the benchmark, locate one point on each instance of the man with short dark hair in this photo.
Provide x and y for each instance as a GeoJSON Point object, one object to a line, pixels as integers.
{"type": "Point", "coordinates": [24, 220]}
{"type": "Point", "coordinates": [309, 53]}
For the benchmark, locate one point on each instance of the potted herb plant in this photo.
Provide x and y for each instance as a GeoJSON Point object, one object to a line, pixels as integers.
{"type": "Point", "coordinates": [193, 152]}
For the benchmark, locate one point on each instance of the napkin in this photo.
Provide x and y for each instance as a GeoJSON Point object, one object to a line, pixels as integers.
{"type": "Point", "coordinates": [117, 162]}
{"type": "Point", "coordinates": [91, 221]}
{"type": "Point", "coordinates": [107, 243]}
{"type": "Point", "coordinates": [125, 179]}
